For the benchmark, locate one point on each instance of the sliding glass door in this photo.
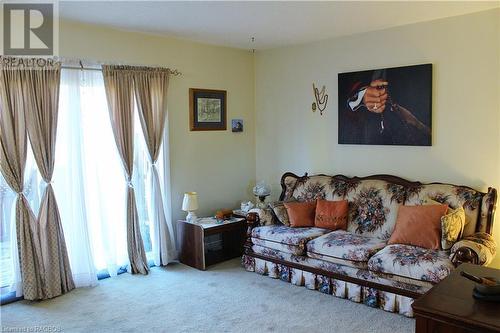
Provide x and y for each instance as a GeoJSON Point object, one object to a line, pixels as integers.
{"type": "Point", "coordinates": [90, 168]}
{"type": "Point", "coordinates": [89, 187]}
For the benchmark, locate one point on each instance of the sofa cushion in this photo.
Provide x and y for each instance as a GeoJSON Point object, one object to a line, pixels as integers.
{"type": "Point", "coordinates": [354, 272]}
{"type": "Point", "coordinates": [419, 226]}
{"type": "Point", "coordinates": [289, 236]}
{"type": "Point", "coordinates": [411, 262]}
{"type": "Point", "coordinates": [452, 227]}
{"type": "Point", "coordinates": [288, 248]}
{"type": "Point", "coordinates": [344, 248]}
{"type": "Point", "coordinates": [373, 208]}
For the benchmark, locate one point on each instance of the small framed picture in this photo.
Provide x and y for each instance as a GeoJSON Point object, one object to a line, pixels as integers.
{"type": "Point", "coordinates": [207, 110]}
{"type": "Point", "coordinates": [237, 125]}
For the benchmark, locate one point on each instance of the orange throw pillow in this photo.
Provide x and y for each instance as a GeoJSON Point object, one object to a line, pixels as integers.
{"type": "Point", "coordinates": [301, 214]}
{"type": "Point", "coordinates": [419, 226]}
{"type": "Point", "coordinates": [331, 214]}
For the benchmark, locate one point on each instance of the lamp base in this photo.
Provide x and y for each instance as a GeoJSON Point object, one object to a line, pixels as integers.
{"type": "Point", "coordinates": [262, 201]}
{"type": "Point", "coordinates": [191, 217]}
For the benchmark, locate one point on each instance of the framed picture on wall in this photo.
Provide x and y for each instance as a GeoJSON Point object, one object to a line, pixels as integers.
{"type": "Point", "coordinates": [207, 110]}
{"type": "Point", "coordinates": [237, 125]}
{"type": "Point", "coordinates": [389, 106]}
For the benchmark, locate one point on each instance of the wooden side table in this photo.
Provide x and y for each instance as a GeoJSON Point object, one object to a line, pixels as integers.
{"type": "Point", "coordinates": [449, 307]}
{"type": "Point", "coordinates": [192, 239]}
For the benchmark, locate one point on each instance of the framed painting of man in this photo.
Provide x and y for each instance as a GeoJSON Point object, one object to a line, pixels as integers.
{"type": "Point", "coordinates": [389, 106]}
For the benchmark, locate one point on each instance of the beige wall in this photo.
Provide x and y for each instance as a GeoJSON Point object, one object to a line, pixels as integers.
{"type": "Point", "coordinates": [465, 55]}
{"type": "Point", "coordinates": [219, 165]}
{"type": "Point", "coordinates": [273, 96]}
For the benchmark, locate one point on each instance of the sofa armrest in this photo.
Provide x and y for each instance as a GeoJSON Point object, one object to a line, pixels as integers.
{"type": "Point", "coordinates": [256, 217]}
{"type": "Point", "coordinates": [479, 249]}
{"type": "Point", "coordinates": [266, 216]}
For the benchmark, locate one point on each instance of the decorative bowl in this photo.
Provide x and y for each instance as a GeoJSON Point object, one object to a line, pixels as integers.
{"type": "Point", "coordinates": [489, 290]}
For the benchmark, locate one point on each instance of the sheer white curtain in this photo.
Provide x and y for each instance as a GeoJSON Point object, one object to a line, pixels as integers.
{"type": "Point", "coordinates": [88, 179]}
{"type": "Point", "coordinates": [163, 165]}
{"type": "Point", "coordinates": [69, 184]}
{"type": "Point", "coordinates": [142, 180]}
{"type": "Point", "coordinates": [102, 176]}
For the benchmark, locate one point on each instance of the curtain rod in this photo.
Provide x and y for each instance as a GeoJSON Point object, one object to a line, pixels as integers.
{"type": "Point", "coordinates": [174, 72]}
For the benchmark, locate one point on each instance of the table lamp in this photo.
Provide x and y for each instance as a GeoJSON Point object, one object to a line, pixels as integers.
{"type": "Point", "coordinates": [261, 190]}
{"type": "Point", "coordinates": [190, 204]}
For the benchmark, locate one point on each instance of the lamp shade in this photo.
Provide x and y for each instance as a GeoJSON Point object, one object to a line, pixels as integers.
{"type": "Point", "coordinates": [190, 201]}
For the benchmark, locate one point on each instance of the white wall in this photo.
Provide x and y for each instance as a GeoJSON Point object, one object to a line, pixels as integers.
{"type": "Point", "coordinates": [465, 53]}
{"type": "Point", "coordinates": [219, 165]}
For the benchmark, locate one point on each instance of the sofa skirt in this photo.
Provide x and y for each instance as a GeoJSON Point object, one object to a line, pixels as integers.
{"type": "Point", "coordinates": [369, 296]}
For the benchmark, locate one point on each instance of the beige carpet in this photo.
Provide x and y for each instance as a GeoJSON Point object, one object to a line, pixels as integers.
{"type": "Point", "coordinates": [182, 299]}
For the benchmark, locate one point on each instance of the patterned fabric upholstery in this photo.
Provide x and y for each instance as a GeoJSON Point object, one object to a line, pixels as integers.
{"type": "Point", "coordinates": [288, 248]}
{"type": "Point", "coordinates": [352, 250]}
{"type": "Point", "coordinates": [411, 262]}
{"type": "Point", "coordinates": [338, 288]}
{"type": "Point", "coordinates": [290, 184]}
{"type": "Point", "coordinates": [418, 286]}
{"type": "Point", "coordinates": [307, 188]}
{"type": "Point", "coordinates": [294, 237]}
{"type": "Point", "coordinates": [482, 243]}
{"type": "Point", "coordinates": [315, 187]}
{"type": "Point", "coordinates": [451, 195]}
{"type": "Point", "coordinates": [373, 208]}
{"type": "Point", "coordinates": [280, 212]}
{"type": "Point", "coordinates": [373, 203]}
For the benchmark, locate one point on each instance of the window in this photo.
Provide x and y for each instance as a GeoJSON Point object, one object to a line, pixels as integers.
{"type": "Point", "coordinates": [7, 224]}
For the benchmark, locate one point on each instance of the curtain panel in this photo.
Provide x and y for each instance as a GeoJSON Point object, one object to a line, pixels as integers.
{"type": "Point", "coordinates": [29, 106]}
{"type": "Point", "coordinates": [13, 146]}
{"type": "Point", "coordinates": [151, 88]}
{"type": "Point", "coordinates": [119, 92]}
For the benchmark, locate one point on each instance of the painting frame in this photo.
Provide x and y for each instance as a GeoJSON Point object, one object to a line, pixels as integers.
{"type": "Point", "coordinates": [403, 119]}
{"type": "Point", "coordinates": [215, 105]}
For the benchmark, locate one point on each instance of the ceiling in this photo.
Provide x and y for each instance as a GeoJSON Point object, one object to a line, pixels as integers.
{"type": "Point", "coordinates": [273, 24]}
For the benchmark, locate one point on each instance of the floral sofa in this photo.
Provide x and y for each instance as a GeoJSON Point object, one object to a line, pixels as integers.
{"type": "Point", "coordinates": [357, 264]}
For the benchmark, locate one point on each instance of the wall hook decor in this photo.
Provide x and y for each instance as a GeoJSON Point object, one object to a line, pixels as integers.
{"type": "Point", "coordinates": [321, 98]}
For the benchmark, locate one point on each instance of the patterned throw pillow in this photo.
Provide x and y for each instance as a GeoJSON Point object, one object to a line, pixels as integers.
{"type": "Point", "coordinates": [280, 212]}
{"type": "Point", "coordinates": [452, 226]}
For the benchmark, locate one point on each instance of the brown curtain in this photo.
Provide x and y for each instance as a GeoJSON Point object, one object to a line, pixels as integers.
{"type": "Point", "coordinates": [29, 103]}
{"type": "Point", "coordinates": [151, 87]}
{"type": "Point", "coordinates": [118, 83]}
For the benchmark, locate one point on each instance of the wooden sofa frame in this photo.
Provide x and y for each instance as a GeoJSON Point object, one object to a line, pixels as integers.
{"type": "Point", "coordinates": [462, 255]}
